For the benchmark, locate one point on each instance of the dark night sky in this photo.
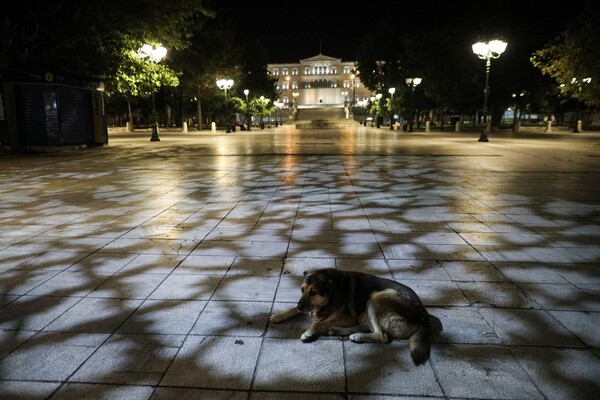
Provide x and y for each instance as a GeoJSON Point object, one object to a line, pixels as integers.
{"type": "Point", "coordinates": [291, 30]}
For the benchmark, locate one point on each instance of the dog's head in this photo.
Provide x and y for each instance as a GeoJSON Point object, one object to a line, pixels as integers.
{"type": "Point", "coordinates": [317, 290]}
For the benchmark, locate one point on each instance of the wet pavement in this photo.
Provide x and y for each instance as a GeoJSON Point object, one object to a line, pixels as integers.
{"type": "Point", "coordinates": [148, 269]}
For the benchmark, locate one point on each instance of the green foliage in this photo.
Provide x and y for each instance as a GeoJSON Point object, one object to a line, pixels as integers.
{"type": "Point", "coordinates": [237, 105]}
{"type": "Point", "coordinates": [138, 76]}
{"type": "Point", "coordinates": [375, 108]}
{"type": "Point", "coordinates": [262, 107]}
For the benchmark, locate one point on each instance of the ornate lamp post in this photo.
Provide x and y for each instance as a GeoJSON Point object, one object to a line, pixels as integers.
{"type": "Point", "coordinates": [412, 83]}
{"type": "Point", "coordinates": [247, 92]}
{"type": "Point", "coordinates": [154, 54]}
{"type": "Point", "coordinates": [225, 84]}
{"type": "Point", "coordinates": [263, 107]}
{"type": "Point", "coordinates": [487, 51]}
{"type": "Point", "coordinates": [352, 77]}
{"type": "Point", "coordinates": [278, 105]}
{"type": "Point", "coordinates": [392, 91]}
{"type": "Point", "coordinates": [363, 104]}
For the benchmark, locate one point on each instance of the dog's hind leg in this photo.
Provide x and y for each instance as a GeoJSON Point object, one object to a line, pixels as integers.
{"type": "Point", "coordinates": [377, 335]}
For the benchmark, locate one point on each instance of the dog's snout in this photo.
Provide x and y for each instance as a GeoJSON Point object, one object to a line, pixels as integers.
{"type": "Point", "coordinates": [301, 306]}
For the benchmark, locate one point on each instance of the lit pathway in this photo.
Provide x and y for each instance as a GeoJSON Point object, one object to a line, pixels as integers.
{"type": "Point", "coordinates": [149, 269]}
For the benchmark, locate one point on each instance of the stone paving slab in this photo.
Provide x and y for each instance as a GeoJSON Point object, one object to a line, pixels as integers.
{"type": "Point", "coordinates": [148, 270]}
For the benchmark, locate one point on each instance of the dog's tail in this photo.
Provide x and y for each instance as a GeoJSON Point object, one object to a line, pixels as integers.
{"type": "Point", "coordinates": [420, 341]}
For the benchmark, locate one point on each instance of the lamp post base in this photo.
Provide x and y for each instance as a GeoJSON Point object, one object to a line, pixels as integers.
{"type": "Point", "coordinates": [155, 137]}
{"type": "Point", "coordinates": [483, 137]}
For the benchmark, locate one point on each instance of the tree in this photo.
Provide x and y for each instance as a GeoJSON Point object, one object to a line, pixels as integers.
{"type": "Point", "coordinates": [90, 38]}
{"type": "Point", "coordinates": [211, 55]}
{"type": "Point", "coordinates": [573, 58]}
{"type": "Point", "coordinates": [140, 75]}
{"type": "Point", "coordinates": [263, 107]}
{"type": "Point", "coordinates": [380, 59]}
{"type": "Point", "coordinates": [254, 74]}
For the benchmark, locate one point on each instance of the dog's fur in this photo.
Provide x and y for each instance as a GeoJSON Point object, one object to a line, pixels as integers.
{"type": "Point", "coordinates": [366, 307]}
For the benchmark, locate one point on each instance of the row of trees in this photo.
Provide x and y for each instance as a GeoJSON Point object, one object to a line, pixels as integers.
{"type": "Point", "coordinates": [453, 77]}
{"type": "Point", "coordinates": [100, 40]}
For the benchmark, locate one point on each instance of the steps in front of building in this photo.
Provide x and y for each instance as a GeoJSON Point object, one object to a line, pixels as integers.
{"type": "Point", "coordinates": [318, 124]}
{"type": "Point", "coordinates": [322, 118]}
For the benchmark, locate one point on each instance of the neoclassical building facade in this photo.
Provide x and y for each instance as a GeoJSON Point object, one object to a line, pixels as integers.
{"type": "Point", "coordinates": [318, 81]}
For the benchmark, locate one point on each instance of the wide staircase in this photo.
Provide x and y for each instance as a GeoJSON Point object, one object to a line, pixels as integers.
{"type": "Point", "coordinates": [323, 118]}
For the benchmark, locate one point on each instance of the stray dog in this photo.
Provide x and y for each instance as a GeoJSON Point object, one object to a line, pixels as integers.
{"type": "Point", "coordinates": [366, 307]}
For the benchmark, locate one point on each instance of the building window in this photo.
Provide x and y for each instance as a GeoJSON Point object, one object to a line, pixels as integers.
{"type": "Point", "coordinates": [295, 85]}
{"type": "Point", "coordinates": [306, 70]}
{"type": "Point", "coordinates": [333, 70]}
{"type": "Point", "coordinates": [294, 71]}
{"type": "Point", "coordinates": [346, 69]}
{"type": "Point", "coordinates": [284, 71]}
{"type": "Point", "coordinates": [346, 84]}
{"type": "Point", "coordinates": [285, 85]}
{"type": "Point", "coordinates": [275, 71]}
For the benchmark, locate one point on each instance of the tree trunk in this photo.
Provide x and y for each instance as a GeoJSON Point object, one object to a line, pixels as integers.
{"type": "Point", "coordinates": [130, 114]}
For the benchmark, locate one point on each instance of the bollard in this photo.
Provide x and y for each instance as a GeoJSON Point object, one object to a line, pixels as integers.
{"type": "Point", "coordinates": [427, 126]}
{"type": "Point", "coordinates": [457, 126]}
{"type": "Point", "coordinates": [579, 125]}
{"type": "Point", "coordinates": [128, 127]}
{"type": "Point", "coordinates": [548, 126]}
{"type": "Point", "coordinates": [213, 127]}
{"type": "Point", "coordinates": [184, 129]}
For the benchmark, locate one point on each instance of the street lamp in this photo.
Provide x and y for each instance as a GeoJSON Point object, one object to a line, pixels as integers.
{"type": "Point", "coordinates": [487, 51]}
{"type": "Point", "coordinates": [225, 84]}
{"type": "Point", "coordinates": [263, 107]}
{"type": "Point", "coordinates": [154, 54]}
{"type": "Point", "coordinates": [247, 92]}
{"type": "Point", "coordinates": [392, 91]}
{"type": "Point", "coordinates": [412, 83]}
{"type": "Point", "coordinates": [278, 105]}
{"type": "Point", "coordinates": [287, 78]}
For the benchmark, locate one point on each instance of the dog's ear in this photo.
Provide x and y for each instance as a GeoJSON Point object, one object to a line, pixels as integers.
{"type": "Point", "coordinates": [307, 272]}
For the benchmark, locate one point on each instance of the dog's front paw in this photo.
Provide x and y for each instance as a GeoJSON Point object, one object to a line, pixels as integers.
{"type": "Point", "coordinates": [277, 317]}
{"type": "Point", "coordinates": [308, 337]}
{"type": "Point", "coordinates": [357, 337]}
{"type": "Point", "coordinates": [333, 331]}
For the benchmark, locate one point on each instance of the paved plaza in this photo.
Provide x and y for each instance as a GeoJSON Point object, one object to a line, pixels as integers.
{"type": "Point", "coordinates": [147, 270]}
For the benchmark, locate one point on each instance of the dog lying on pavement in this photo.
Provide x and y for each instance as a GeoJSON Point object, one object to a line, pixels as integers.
{"type": "Point", "coordinates": [366, 307]}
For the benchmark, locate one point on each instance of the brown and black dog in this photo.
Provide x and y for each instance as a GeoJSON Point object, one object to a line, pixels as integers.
{"type": "Point", "coordinates": [366, 307]}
